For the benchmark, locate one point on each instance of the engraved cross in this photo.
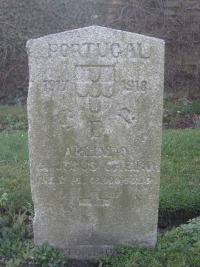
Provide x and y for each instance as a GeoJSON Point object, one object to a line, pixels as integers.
{"type": "Point", "coordinates": [95, 200]}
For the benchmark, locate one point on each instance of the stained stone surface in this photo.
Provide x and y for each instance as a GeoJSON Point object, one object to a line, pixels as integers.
{"type": "Point", "coordinates": [95, 113]}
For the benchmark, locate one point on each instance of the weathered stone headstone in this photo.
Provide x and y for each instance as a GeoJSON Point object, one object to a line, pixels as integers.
{"type": "Point", "coordinates": [95, 113]}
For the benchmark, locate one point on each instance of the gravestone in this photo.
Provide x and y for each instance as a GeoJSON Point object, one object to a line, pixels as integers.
{"type": "Point", "coordinates": [95, 115]}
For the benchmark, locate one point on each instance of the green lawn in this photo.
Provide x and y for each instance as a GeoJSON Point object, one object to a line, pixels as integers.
{"type": "Point", "coordinates": [180, 172]}
{"type": "Point", "coordinates": [183, 107]}
{"type": "Point", "coordinates": [14, 167]}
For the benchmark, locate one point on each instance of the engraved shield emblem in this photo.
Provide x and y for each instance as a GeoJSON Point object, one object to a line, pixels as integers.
{"type": "Point", "coordinates": [95, 87]}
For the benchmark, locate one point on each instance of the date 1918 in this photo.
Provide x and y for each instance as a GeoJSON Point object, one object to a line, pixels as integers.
{"type": "Point", "coordinates": [135, 86]}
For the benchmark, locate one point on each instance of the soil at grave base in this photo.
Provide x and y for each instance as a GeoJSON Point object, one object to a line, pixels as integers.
{"type": "Point", "coordinates": [182, 121]}
{"type": "Point", "coordinates": [166, 223]}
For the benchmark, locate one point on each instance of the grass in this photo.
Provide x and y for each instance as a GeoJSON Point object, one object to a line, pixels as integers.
{"type": "Point", "coordinates": [6, 111]}
{"type": "Point", "coordinates": [180, 172]}
{"type": "Point", "coordinates": [13, 118]}
{"type": "Point", "coordinates": [184, 107]}
{"type": "Point", "coordinates": [14, 167]}
{"type": "Point", "coordinates": [14, 147]}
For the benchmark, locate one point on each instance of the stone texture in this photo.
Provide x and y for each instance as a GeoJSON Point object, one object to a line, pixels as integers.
{"type": "Point", "coordinates": [95, 114]}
